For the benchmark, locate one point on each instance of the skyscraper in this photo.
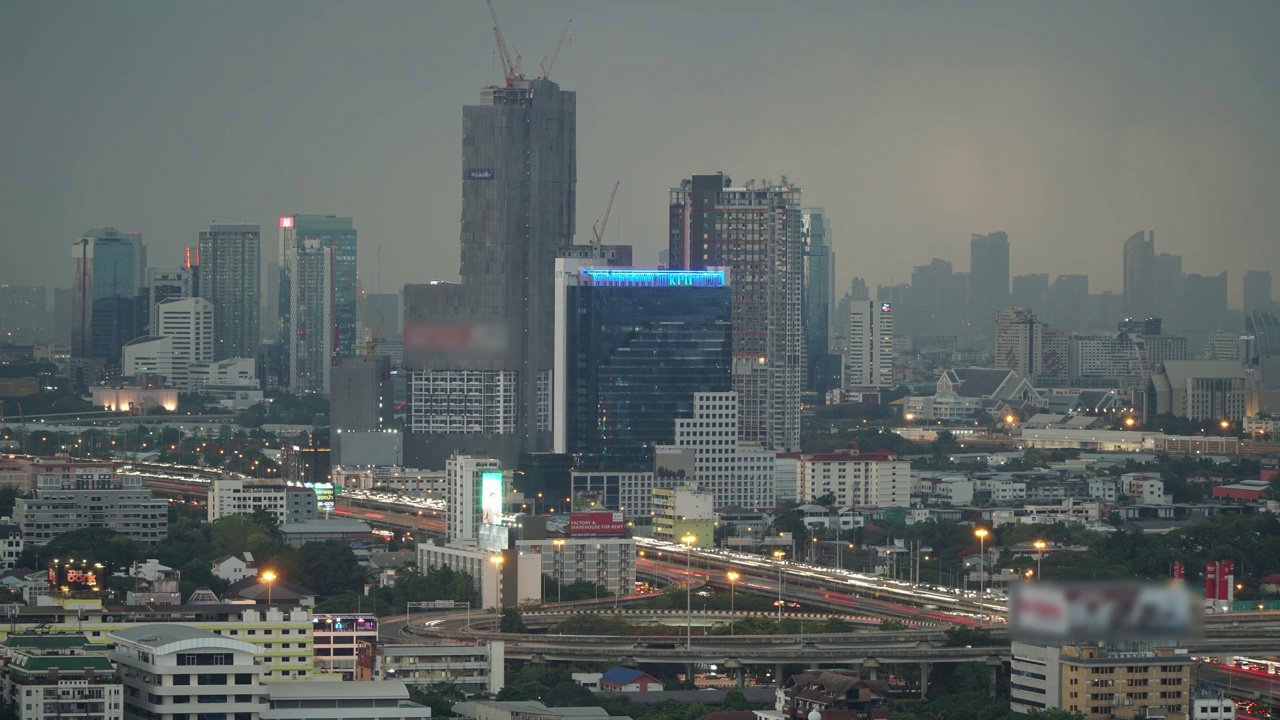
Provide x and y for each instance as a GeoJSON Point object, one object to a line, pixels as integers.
{"type": "Point", "coordinates": [312, 340]}
{"type": "Point", "coordinates": [1035, 350]}
{"type": "Point", "coordinates": [1031, 291]}
{"type": "Point", "coordinates": [868, 357]}
{"type": "Point", "coordinates": [1069, 302]}
{"type": "Point", "coordinates": [1256, 294]}
{"type": "Point", "coordinates": [230, 276]}
{"type": "Point", "coordinates": [1140, 274]}
{"type": "Point", "coordinates": [164, 284]}
{"type": "Point", "coordinates": [632, 349]}
{"type": "Point", "coordinates": [108, 268]}
{"type": "Point", "coordinates": [1170, 282]}
{"type": "Point", "coordinates": [23, 316]}
{"type": "Point", "coordinates": [819, 289]}
{"type": "Point", "coordinates": [495, 329]}
{"type": "Point", "coordinates": [757, 234]}
{"type": "Point", "coordinates": [338, 234]}
{"type": "Point", "coordinates": [988, 278]}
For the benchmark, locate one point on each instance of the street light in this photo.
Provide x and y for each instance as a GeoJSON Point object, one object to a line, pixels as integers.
{"type": "Point", "coordinates": [688, 541]}
{"type": "Point", "coordinates": [982, 554]}
{"type": "Point", "coordinates": [778, 555]}
{"type": "Point", "coordinates": [1039, 545]}
{"type": "Point", "coordinates": [559, 543]}
{"type": "Point", "coordinates": [733, 579]}
{"type": "Point", "coordinates": [269, 578]}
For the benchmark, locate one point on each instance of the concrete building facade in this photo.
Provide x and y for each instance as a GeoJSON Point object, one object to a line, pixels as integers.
{"type": "Point", "coordinates": [230, 277]}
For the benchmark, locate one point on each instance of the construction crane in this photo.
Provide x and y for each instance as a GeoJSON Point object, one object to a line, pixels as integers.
{"type": "Point", "coordinates": [550, 60]}
{"type": "Point", "coordinates": [510, 69]}
{"type": "Point", "coordinates": [598, 233]}
{"type": "Point", "coordinates": [374, 333]}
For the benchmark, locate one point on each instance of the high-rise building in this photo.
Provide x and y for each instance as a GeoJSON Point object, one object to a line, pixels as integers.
{"type": "Point", "coordinates": [1169, 281]}
{"type": "Point", "coordinates": [189, 324]}
{"type": "Point", "coordinates": [757, 235]}
{"type": "Point", "coordinates": [23, 316]}
{"type": "Point", "coordinates": [163, 284]}
{"type": "Point", "coordinates": [1204, 301]}
{"type": "Point", "coordinates": [1140, 274]}
{"type": "Point", "coordinates": [339, 235]}
{"type": "Point", "coordinates": [868, 356]}
{"type": "Point", "coordinates": [988, 278]}
{"type": "Point", "coordinates": [819, 292]}
{"type": "Point", "coordinates": [108, 270]}
{"type": "Point", "coordinates": [1069, 302]}
{"type": "Point", "coordinates": [475, 493]}
{"type": "Point", "coordinates": [707, 451]}
{"type": "Point", "coordinates": [230, 277]}
{"type": "Point", "coordinates": [632, 348]}
{"type": "Point", "coordinates": [1033, 349]}
{"type": "Point", "coordinates": [360, 413]}
{"type": "Point", "coordinates": [312, 340]}
{"type": "Point", "coordinates": [1031, 291]}
{"type": "Point", "coordinates": [519, 175]}
{"type": "Point", "coordinates": [1256, 293]}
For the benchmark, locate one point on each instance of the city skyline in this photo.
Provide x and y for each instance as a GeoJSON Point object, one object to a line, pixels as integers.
{"type": "Point", "coordinates": [1066, 138]}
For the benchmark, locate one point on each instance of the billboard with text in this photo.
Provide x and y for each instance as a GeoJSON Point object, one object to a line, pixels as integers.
{"type": "Point", "coordinates": [1095, 612]}
{"type": "Point", "coordinates": [597, 523]}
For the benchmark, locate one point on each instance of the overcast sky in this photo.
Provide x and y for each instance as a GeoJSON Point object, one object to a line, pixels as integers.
{"type": "Point", "coordinates": [1070, 125]}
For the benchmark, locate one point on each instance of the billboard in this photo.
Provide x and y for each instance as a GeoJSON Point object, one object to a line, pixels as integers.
{"type": "Point", "coordinates": [77, 578]}
{"type": "Point", "coordinates": [597, 523]}
{"type": "Point", "coordinates": [480, 173]}
{"type": "Point", "coordinates": [324, 491]}
{"type": "Point", "coordinates": [1096, 612]}
{"type": "Point", "coordinates": [491, 497]}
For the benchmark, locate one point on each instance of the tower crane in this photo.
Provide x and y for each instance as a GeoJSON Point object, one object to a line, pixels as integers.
{"type": "Point", "coordinates": [598, 233]}
{"type": "Point", "coordinates": [550, 60]}
{"type": "Point", "coordinates": [374, 333]}
{"type": "Point", "coordinates": [510, 69]}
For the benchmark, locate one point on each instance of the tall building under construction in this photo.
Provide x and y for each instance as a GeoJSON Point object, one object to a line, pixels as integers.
{"type": "Point", "coordinates": [757, 234]}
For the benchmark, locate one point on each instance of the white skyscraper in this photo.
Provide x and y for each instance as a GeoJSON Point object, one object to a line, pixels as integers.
{"type": "Point", "coordinates": [188, 323]}
{"type": "Point", "coordinates": [475, 491]}
{"type": "Point", "coordinates": [312, 336]}
{"type": "Point", "coordinates": [868, 356]}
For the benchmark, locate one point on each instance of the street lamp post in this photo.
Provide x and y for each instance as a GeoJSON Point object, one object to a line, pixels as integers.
{"type": "Point", "coordinates": [688, 541]}
{"type": "Point", "coordinates": [559, 543]}
{"type": "Point", "coordinates": [1039, 545]}
{"type": "Point", "coordinates": [982, 556]}
{"type": "Point", "coordinates": [269, 578]}
{"type": "Point", "coordinates": [733, 579]}
{"type": "Point", "coordinates": [777, 556]}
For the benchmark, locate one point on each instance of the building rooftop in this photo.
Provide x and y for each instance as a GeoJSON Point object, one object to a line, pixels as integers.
{"type": "Point", "coordinates": [46, 640]}
{"type": "Point", "coordinates": [327, 690]}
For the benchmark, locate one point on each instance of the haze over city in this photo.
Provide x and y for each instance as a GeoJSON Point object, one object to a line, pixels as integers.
{"type": "Point", "coordinates": [1069, 126]}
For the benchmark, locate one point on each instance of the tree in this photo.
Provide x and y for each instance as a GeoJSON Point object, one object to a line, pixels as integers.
{"type": "Point", "coordinates": [512, 621]}
{"type": "Point", "coordinates": [734, 700]}
{"type": "Point", "coordinates": [330, 567]}
{"type": "Point", "coordinates": [9, 495]}
{"type": "Point", "coordinates": [568, 693]}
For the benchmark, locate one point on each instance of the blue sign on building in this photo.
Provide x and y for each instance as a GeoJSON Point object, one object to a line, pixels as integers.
{"type": "Point", "coordinates": [479, 173]}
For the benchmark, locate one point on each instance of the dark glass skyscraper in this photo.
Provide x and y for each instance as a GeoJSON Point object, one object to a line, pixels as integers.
{"type": "Point", "coordinates": [109, 269]}
{"type": "Point", "coordinates": [339, 235]}
{"type": "Point", "coordinates": [988, 279]}
{"type": "Point", "coordinates": [632, 348]}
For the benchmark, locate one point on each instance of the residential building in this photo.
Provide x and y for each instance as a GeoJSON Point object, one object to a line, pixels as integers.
{"type": "Point", "coordinates": [683, 511]}
{"type": "Point", "coordinates": [169, 670]}
{"type": "Point", "coordinates": [988, 278]}
{"type": "Point", "coordinates": [55, 675]}
{"type": "Point", "coordinates": [632, 347]}
{"type": "Point", "coordinates": [473, 667]}
{"type": "Point", "coordinates": [624, 679]}
{"type": "Point", "coordinates": [230, 278]}
{"type": "Point", "coordinates": [607, 562]}
{"type": "Point", "coordinates": [319, 700]}
{"type": "Point", "coordinates": [832, 694]}
{"type": "Point", "coordinates": [320, 238]}
{"type": "Point", "coordinates": [707, 449]}
{"type": "Point", "coordinates": [819, 293]}
{"type": "Point", "coordinates": [312, 338]}
{"type": "Point", "coordinates": [231, 494]}
{"type": "Point", "coordinates": [502, 577]}
{"type": "Point", "coordinates": [1140, 275]}
{"type": "Point", "coordinates": [1033, 349]}
{"type": "Point", "coordinates": [1035, 678]}
{"type": "Point", "coordinates": [336, 637]}
{"type": "Point", "coordinates": [11, 546]}
{"type": "Point", "coordinates": [1197, 390]}
{"type": "Point", "coordinates": [475, 494]}
{"type": "Point", "coordinates": [235, 567]}
{"type": "Point", "coordinates": [495, 328]}
{"type": "Point", "coordinates": [1103, 682]}
{"type": "Point", "coordinates": [868, 355]}
{"type": "Point", "coordinates": [757, 235]}
{"type": "Point", "coordinates": [118, 502]}
{"type": "Point", "coordinates": [856, 479]}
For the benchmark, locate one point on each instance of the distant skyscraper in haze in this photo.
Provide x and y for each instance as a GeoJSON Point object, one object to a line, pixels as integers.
{"type": "Point", "coordinates": [1033, 349]}
{"type": "Point", "coordinates": [1140, 274]}
{"type": "Point", "coordinates": [988, 279]}
{"type": "Point", "coordinates": [23, 316]}
{"type": "Point", "coordinates": [758, 235]}
{"type": "Point", "coordinates": [230, 276]}
{"type": "Point", "coordinates": [1169, 284]}
{"type": "Point", "coordinates": [108, 278]}
{"type": "Point", "coordinates": [1031, 291]}
{"type": "Point", "coordinates": [1204, 301]}
{"type": "Point", "coordinates": [312, 340]}
{"type": "Point", "coordinates": [1069, 302]}
{"type": "Point", "coordinates": [819, 289]}
{"type": "Point", "coordinates": [868, 357]}
{"type": "Point", "coordinates": [339, 235]}
{"type": "Point", "coordinates": [1256, 293]}
{"type": "Point", "coordinates": [494, 330]}
{"type": "Point", "coordinates": [633, 347]}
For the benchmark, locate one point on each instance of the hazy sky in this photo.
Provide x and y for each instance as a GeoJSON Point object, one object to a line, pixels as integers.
{"type": "Point", "coordinates": [1068, 124]}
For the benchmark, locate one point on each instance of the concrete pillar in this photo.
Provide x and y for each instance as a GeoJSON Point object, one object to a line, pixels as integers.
{"type": "Point", "coordinates": [777, 674]}
{"type": "Point", "coordinates": [871, 668]}
{"type": "Point", "coordinates": [742, 678]}
{"type": "Point", "coordinates": [994, 665]}
{"type": "Point", "coordinates": [688, 673]}
{"type": "Point", "coordinates": [924, 680]}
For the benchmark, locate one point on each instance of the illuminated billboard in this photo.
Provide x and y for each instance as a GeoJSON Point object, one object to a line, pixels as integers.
{"type": "Point", "coordinates": [1096, 612]}
{"type": "Point", "coordinates": [491, 498]}
{"type": "Point", "coordinates": [597, 524]}
{"type": "Point", "coordinates": [77, 578]}
{"type": "Point", "coordinates": [325, 493]}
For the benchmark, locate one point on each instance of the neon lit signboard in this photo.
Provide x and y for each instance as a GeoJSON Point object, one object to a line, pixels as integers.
{"type": "Point", "coordinates": [491, 498]}
{"type": "Point", "coordinates": [654, 278]}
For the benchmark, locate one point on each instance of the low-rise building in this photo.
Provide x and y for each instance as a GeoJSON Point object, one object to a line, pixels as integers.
{"type": "Point", "coordinates": [51, 675]}
{"type": "Point", "coordinates": [11, 545]}
{"type": "Point", "coordinates": [683, 511]}
{"type": "Point", "coordinates": [835, 694]}
{"type": "Point", "coordinates": [236, 494]}
{"type": "Point", "coordinates": [378, 700]}
{"type": "Point", "coordinates": [608, 562]}
{"type": "Point", "coordinates": [169, 668]}
{"type": "Point", "coordinates": [625, 679]}
{"type": "Point", "coordinates": [473, 667]}
{"type": "Point", "coordinates": [1102, 681]}
{"type": "Point", "coordinates": [336, 638]}
{"type": "Point", "coordinates": [235, 567]}
{"type": "Point", "coordinates": [119, 502]}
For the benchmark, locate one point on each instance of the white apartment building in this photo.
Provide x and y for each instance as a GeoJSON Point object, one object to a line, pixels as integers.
{"type": "Point", "coordinates": [467, 664]}
{"type": "Point", "coordinates": [629, 492]}
{"type": "Point", "coordinates": [608, 562]}
{"type": "Point", "coordinates": [173, 671]}
{"type": "Point", "coordinates": [502, 579]}
{"type": "Point", "coordinates": [476, 489]}
{"type": "Point", "coordinates": [1034, 678]}
{"type": "Point", "coordinates": [1143, 489]}
{"type": "Point", "coordinates": [707, 445]}
{"type": "Point", "coordinates": [336, 638]}
{"type": "Point", "coordinates": [868, 356]}
{"type": "Point", "coordinates": [149, 355]}
{"type": "Point", "coordinates": [188, 324]}
{"type": "Point", "coordinates": [237, 495]}
{"type": "Point", "coordinates": [11, 545]}
{"type": "Point", "coordinates": [60, 504]}
{"type": "Point", "coordinates": [871, 479]}
{"type": "Point", "coordinates": [51, 676]}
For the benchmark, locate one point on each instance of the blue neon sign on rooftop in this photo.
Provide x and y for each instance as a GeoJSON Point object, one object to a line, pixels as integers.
{"type": "Point", "coordinates": [613, 277]}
